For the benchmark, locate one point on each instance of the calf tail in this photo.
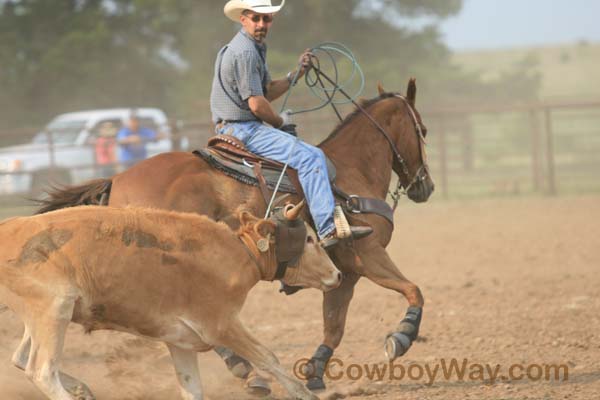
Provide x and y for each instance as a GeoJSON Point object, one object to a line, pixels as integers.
{"type": "Point", "coordinates": [95, 192]}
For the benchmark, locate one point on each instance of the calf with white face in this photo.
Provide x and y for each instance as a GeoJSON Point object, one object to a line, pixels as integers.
{"type": "Point", "coordinates": [174, 277]}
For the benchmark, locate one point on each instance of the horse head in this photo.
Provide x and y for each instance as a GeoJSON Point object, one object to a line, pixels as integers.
{"type": "Point", "coordinates": [408, 134]}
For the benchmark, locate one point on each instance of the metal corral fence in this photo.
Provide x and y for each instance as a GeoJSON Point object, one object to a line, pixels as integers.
{"type": "Point", "coordinates": [547, 148]}
{"type": "Point", "coordinates": [544, 148]}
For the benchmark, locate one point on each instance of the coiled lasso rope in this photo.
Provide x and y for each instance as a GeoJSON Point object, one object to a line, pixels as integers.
{"type": "Point", "coordinates": [318, 88]}
{"type": "Point", "coordinates": [316, 84]}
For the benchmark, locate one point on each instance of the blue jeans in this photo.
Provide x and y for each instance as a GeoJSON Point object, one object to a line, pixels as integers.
{"type": "Point", "coordinates": [308, 160]}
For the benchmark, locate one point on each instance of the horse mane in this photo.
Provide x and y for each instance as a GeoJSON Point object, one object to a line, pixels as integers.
{"type": "Point", "coordinates": [364, 104]}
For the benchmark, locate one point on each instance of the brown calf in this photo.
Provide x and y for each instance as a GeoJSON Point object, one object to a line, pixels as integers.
{"type": "Point", "coordinates": [175, 277]}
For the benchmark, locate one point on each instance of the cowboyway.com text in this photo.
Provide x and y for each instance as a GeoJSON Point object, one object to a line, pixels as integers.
{"type": "Point", "coordinates": [429, 373]}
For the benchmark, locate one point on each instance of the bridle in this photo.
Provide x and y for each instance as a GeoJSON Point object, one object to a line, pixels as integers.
{"type": "Point", "coordinates": [422, 172]}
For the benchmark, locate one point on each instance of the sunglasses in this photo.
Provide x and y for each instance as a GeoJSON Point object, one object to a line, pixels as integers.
{"type": "Point", "coordinates": [266, 18]}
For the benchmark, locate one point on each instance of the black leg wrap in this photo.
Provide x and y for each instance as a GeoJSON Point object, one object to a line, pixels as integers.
{"type": "Point", "coordinates": [398, 343]}
{"type": "Point", "coordinates": [315, 368]}
{"type": "Point", "coordinates": [236, 364]}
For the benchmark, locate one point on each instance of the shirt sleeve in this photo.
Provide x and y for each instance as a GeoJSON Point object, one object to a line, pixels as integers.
{"type": "Point", "coordinates": [148, 134]}
{"type": "Point", "coordinates": [267, 75]}
{"type": "Point", "coordinates": [247, 75]}
{"type": "Point", "coordinates": [123, 133]}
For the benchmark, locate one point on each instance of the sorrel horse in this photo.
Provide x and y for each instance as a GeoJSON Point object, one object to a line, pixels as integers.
{"type": "Point", "coordinates": [365, 160]}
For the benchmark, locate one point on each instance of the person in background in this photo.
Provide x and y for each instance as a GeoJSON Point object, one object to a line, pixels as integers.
{"type": "Point", "coordinates": [106, 149]}
{"type": "Point", "coordinates": [132, 139]}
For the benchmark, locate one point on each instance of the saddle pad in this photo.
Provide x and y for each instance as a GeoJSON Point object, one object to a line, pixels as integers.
{"type": "Point", "coordinates": [244, 172]}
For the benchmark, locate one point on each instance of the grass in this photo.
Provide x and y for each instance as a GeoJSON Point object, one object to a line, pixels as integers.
{"type": "Point", "coordinates": [568, 71]}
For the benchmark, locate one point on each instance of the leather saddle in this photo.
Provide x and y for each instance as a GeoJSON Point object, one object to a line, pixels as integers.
{"type": "Point", "coordinates": [230, 156]}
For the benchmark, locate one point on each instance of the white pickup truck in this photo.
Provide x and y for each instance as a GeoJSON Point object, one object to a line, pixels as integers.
{"type": "Point", "coordinates": [64, 151]}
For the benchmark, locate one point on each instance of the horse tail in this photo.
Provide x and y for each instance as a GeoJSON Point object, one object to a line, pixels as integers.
{"type": "Point", "coordinates": [94, 192]}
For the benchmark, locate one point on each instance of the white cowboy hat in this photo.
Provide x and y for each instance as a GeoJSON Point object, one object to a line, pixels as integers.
{"type": "Point", "coordinates": [234, 8]}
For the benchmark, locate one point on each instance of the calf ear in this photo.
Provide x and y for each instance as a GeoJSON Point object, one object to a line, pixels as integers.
{"type": "Point", "coordinates": [265, 227]}
{"type": "Point", "coordinates": [246, 218]}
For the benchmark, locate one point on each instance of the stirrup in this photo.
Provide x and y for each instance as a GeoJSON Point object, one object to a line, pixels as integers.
{"type": "Point", "coordinates": [342, 226]}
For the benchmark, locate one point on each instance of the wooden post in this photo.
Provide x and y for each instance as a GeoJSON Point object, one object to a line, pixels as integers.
{"type": "Point", "coordinates": [467, 138]}
{"type": "Point", "coordinates": [550, 153]}
{"type": "Point", "coordinates": [535, 150]}
{"type": "Point", "coordinates": [443, 157]}
{"type": "Point", "coordinates": [52, 156]}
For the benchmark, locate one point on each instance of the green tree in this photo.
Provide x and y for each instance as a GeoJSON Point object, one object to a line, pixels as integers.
{"type": "Point", "coordinates": [62, 55]}
{"type": "Point", "coordinates": [68, 54]}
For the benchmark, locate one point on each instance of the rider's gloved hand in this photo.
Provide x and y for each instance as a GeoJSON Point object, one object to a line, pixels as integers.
{"type": "Point", "coordinates": [305, 61]}
{"type": "Point", "coordinates": [286, 117]}
{"type": "Point", "coordinates": [289, 128]}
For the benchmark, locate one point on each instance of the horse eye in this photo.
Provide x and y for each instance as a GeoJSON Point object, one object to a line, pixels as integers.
{"type": "Point", "coordinates": [310, 240]}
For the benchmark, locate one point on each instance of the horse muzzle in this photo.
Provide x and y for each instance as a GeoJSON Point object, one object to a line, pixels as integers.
{"type": "Point", "coordinates": [420, 190]}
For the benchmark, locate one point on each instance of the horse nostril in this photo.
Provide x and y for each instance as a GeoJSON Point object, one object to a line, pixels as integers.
{"type": "Point", "coordinates": [339, 276]}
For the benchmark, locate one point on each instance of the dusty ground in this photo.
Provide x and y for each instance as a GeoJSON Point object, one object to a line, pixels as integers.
{"type": "Point", "coordinates": [514, 281]}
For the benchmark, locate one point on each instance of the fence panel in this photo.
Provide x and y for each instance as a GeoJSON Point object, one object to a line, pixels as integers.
{"type": "Point", "coordinates": [512, 150]}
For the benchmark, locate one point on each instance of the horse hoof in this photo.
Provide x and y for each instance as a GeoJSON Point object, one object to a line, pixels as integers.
{"type": "Point", "coordinates": [315, 384]}
{"type": "Point", "coordinates": [239, 367]}
{"type": "Point", "coordinates": [396, 345]}
{"type": "Point", "coordinates": [258, 386]}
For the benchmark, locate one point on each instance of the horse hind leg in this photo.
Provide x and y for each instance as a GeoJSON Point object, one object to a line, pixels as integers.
{"type": "Point", "coordinates": [45, 350]}
{"type": "Point", "coordinates": [255, 384]}
{"type": "Point", "coordinates": [238, 339]}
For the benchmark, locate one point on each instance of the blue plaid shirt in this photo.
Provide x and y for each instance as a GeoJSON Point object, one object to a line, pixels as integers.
{"type": "Point", "coordinates": [244, 73]}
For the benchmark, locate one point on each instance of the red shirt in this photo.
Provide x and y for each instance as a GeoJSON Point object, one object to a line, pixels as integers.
{"type": "Point", "coordinates": [105, 150]}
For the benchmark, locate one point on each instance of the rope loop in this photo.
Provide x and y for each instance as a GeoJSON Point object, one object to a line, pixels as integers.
{"type": "Point", "coordinates": [317, 87]}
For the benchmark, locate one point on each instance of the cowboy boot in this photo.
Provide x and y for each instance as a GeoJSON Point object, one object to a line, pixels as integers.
{"type": "Point", "coordinates": [343, 230]}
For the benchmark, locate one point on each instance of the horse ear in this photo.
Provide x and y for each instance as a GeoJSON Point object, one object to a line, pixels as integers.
{"type": "Point", "coordinates": [380, 88]}
{"type": "Point", "coordinates": [411, 91]}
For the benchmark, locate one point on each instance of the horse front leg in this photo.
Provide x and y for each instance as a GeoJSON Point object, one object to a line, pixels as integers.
{"type": "Point", "coordinates": [379, 268]}
{"type": "Point", "coordinates": [335, 311]}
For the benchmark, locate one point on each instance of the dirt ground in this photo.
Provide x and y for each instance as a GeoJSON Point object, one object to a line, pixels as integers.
{"type": "Point", "coordinates": [506, 281]}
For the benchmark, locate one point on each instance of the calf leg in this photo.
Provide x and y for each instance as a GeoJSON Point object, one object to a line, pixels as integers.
{"type": "Point", "coordinates": [335, 311]}
{"type": "Point", "coordinates": [186, 368]}
{"type": "Point", "coordinates": [47, 338]}
{"type": "Point", "coordinates": [238, 339]}
{"type": "Point", "coordinates": [21, 355]}
{"type": "Point", "coordinates": [72, 385]}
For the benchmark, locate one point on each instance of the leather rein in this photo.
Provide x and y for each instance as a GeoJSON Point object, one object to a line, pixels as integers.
{"type": "Point", "coordinates": [353, 202]}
